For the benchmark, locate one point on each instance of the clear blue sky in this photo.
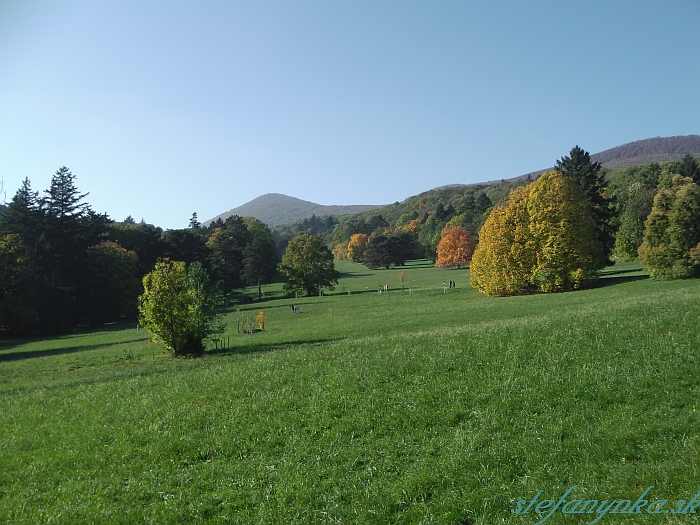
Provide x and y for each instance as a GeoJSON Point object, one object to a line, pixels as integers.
{"type": "Point", "coordinates": [165, 108]}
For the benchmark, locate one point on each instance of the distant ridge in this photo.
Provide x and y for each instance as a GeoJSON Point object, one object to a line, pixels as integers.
{"type": "Point", "coordinates": [275, 209]}
{"type": "Point", "coordinates": [657, 149]}
{"type": "Point", "coordinates": [640, 152]}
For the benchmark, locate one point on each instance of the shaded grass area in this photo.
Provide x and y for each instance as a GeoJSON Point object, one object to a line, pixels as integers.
{"type": "Point", "coordinates": [391, 408]}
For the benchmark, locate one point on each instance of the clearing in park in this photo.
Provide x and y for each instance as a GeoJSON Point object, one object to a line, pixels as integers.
{"type": "Point", "coordinates": [363, 407]}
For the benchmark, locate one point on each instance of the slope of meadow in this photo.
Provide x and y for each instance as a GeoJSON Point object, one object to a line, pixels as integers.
{"type": "Point", "coordinates": [364, 408]}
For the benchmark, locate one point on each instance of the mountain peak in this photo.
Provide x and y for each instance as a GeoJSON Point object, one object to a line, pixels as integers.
{"type": "Point", "coordinates": [275, 209]}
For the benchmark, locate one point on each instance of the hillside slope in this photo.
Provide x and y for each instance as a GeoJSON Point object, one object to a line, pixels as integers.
{"type": "Point", "coordinates": [275, 209]}
{"type": "Point", "coordinates": [640, 152]}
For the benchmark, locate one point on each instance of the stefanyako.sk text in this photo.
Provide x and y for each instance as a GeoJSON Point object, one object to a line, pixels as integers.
{"type": "Point", "coordinates": [601, 508]}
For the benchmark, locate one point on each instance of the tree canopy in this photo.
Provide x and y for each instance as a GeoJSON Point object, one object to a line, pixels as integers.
{"type": "Point", "coordinates": [308, 266]}
{"type": "Point", "coordinates": [179, 307]}
{"type": "Point", "coordinates": [455, 248]}
{"type": "Point", "coordinates": [672, 230]}
{"type": "Point", "coordinates": [542, 237]}
{"type": "Point", "coordinates": [589, 176]}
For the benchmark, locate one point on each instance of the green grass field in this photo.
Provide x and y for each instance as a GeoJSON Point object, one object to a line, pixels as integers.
{"type": "Point", "coordinates": [365, 408]}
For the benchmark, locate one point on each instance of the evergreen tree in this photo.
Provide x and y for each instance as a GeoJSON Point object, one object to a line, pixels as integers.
{"type": "Point", "coordinates": [194, 223]}
{"type": "Point", "coordinates": [590, 178]}
{"type": "Point", "coordinates": [690, 168]}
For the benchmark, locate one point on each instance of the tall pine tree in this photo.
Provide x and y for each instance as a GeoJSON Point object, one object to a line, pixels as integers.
{"type": "Point", "coordinates": [589, 176]}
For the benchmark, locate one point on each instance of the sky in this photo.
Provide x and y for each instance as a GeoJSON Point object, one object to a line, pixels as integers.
{"type": "Point", "coordinates": [162, 109]}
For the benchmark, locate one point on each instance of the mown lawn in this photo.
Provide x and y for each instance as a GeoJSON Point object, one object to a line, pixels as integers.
{"type": "Point", "coordinates": [365, 408]}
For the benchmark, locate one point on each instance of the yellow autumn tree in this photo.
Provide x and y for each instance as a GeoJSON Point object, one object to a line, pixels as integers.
{"type": "Point", "coordinates": [455, 248]}
{"type": "Point", "coordinates": [504, 259]}
{"type": "Point", "coordinates": [542, 237]}
{"type": "Point", "coordinates": [357, 247]}
{"type": "Point", "coordinates": [260, 319]}
{"type": "Point", "coordinates": [340, 251]}
{"type": "Point", "coordinates": [569, 252]}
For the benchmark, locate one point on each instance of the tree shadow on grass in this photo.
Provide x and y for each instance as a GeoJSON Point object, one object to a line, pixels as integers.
{"type": "Point", "coordinates": [31, 354]}
{"type": "Point", "coordinates": [606, 273]}
{"type": "Point", "coordinates": [347, 275]}
{"type": "Point", "coordinates": [265, 347]}
{"type": "Point", "coordinates": [611, 281]}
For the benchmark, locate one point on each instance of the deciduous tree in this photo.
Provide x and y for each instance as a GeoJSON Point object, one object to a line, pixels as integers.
{"type": "Point", "coordinates": [672, 230]}
{"type": "Point", "coordinates": [179, 307]}
{"type": "Point", "coordinates": [307, 265]}
{"type": "Point", "coordinates": [260, 259]}
{"type": "Point", "coordinates": [455, 248]}
{"type": "Point", "coordinates": [505, 257]}
{"type": "Point", "coordinates": [357, 246]}
{"type": "Point", "coordinates": [543, 236]}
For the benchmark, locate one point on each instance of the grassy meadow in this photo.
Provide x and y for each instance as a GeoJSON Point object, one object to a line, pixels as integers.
{"type": "Point", "coordinates": [424, 407]}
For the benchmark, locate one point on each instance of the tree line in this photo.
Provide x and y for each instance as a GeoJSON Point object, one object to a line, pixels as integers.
{"type": "Point", "coordinates": [63, 265]}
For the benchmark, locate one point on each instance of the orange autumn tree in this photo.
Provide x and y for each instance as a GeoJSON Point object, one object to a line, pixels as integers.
{"type": "Point", "coordinates": [455, 248]}
{"type": "Point", "coordinates": [357, 245]}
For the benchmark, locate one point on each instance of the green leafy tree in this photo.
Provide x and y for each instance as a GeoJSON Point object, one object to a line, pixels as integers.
{"type": "Point", "coordinates": [187, 245]}
{"type": "Point", "coordinates": [226, 259]}
{"type": "Point", "coordinates": [589, 176]}
{"type": "Point", "coordinates": [307, 265]}
{"type": "Point", "coordinates": [179, 307]}
{"type": "Point", "coordinates": [114, 282]}
{"type": "Point", "coordinates": [638, 201]}
{"type": "Point", "coordinates": [672, 230]}
{"type": "Point", "coordinates": [259, 255]}
{"type": "Point", "coordinates": [383, 251]}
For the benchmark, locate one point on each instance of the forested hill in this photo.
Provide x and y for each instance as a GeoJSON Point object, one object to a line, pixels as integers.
{"type": "Point", "coordinates": [641, 152]}
{"type": "Point", "coordinates": [275, 209]}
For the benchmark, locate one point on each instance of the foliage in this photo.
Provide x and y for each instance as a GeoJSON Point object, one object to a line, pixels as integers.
{"type": "Point", "coordinates": [505, 257]}
{"type": "Point", "coordinates": [340, 252]}
{"type": "Point", "coordinates": [259, 255]}
{"type": "Point", "coordinates": [589, 176]}
{"type": "Point", "coordinates": [383, 251]}
{"type": "Point", "coordinates": [357, 246]}
{"type": "Point", "coordinates": [188, 245]}
{"type": "Point", "coordinates": [672, 229]}
{"type": "Point", "coordinates": [455, 248]}
{"type": "Point", "coordinates": [307, 265]}
{"type": "Point", "coordinates": [690, 168]}
{"type": "Point", "coordinates": [178, 307]}
{"type": "Point", "coordinates": [143, 239]}
{"type": "Point", "coordinates": [260, 319]}
{"type": "Point", "coordinates": [637, 205]}
{"type": "Point", "coordinates": [543, 237]}
{"type": "Point", "coordinates": [115, 282]}
{"type": "Point", "coordinates": [567, 250]}
{"type": "Point", "coordinates": [52, 291]}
